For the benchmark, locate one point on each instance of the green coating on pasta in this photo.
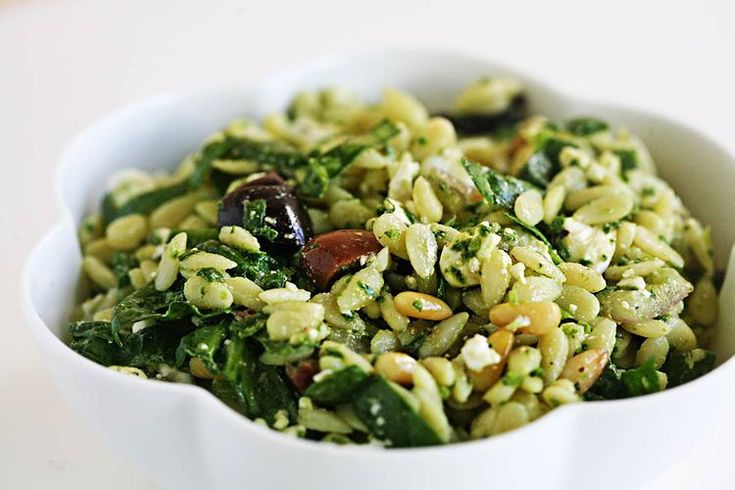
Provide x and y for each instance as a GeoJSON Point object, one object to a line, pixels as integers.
{"type": "Point", "coordinates": [462, 274]}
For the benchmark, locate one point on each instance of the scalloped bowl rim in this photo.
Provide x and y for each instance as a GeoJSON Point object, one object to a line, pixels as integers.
{"type": "Point", "coordinates": [205, 399]}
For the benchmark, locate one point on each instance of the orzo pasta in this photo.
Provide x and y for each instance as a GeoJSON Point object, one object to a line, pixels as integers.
{"type": "Point", "coordinates": [378, 273]}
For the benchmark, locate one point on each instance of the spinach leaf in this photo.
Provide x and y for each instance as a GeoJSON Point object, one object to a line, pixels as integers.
{"type": "Point", "coordinates": [248, 327]}
{"type": "Point", "coordinates": [498, 190]}
{"type": "Point", "coordinates": [615, 383]}
{"type": "Point", "coordinates": [279, 353]}
{"type": "Point", "coordinates": [544, 164]}
{"type": "Point", "coordinates": [146, 349]}
{"type": "Point", "coordinates": [121, 265]}
{"type": "Point", "coordinates": [259, 267]}
{"type": "Point", "coordinates": [324, 167]}
{"type": "Point", "coordinates": [390, 417]}
{"type": "Point", "coordinates": [155, 345]}
{"type": "Point", "coordinates": [337, 387]}
{"type": "Point", "coordinates": [641, 380]}
{"type": "Point", "coordinates": [95, 341]}
{"type": "Point", "coordinates": [681, 367]}
{"type": "Point", "coordinates": [585, 126]}
{"type": "Point", "coordinates": [537, 233]}
{"type": "Point", "coordinates": [149, 304]}
{"type": "Point", "coordinates": [258, 390]}
{"type": "Point", "coordinates": [317, 177]}
{"type": "Point", "coordinates": [628, 160]}
{"type": "Point", "coordinates": [142, 203]}
{"type": "Point", "coordinates": [273, 154]}
{"type": "Point", "coordinates": [539, 169]}
{"type": "Point", "coordinates": [607, 386]}
{"type": "Point", "coordinates": [203, 343]}
{"type": "Point", "coordinates": [254, 219]}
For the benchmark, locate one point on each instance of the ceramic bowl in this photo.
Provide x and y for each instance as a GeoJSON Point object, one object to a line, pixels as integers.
{"type": "Point", "coordinates": [184, 437]}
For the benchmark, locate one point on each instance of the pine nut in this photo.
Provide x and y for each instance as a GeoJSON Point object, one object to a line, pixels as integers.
{"type": "Point", "coordinates": [198, 369]}
{"type": "Point", "coordinates": [502, 342]}
{"type": "Point", "coordinates": [537, 318]}
{"type": "Point", "coordinates": [396, 366]}
{"type": "Point", "coordinates": [584, 369]}
{"type": "Point", "coordinates": [420, 305]}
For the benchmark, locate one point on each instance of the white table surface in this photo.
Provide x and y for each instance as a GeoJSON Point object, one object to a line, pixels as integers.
{"type": "Point", "coordinates": [64, 63]}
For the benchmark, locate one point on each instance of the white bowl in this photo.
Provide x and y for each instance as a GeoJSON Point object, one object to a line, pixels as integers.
{"type": "Point", "coordinates": [185, 438]}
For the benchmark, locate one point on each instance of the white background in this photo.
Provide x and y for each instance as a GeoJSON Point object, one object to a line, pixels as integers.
{"type": "Point", "coordinates": [64, 63]}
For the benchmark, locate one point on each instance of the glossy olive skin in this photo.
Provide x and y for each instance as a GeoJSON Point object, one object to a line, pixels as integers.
{"type": "Point", "coordinates": [328, 255]}
{"type": "Point", "coordinates": [474, 124]}
{"type": "Point", "coordinates": [284, 212]}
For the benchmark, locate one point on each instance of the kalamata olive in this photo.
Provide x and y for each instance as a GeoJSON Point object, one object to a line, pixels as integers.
{"type": "Point", "coordinates": [283, 213]}
{"type": "Point", "coordinates": [329, 254]}
{"type": "Point", "coordinates": [302, 373]}
{"type": "Point", "coordinates": [471, 124]}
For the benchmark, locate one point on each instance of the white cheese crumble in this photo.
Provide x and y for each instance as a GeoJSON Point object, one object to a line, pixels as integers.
{"type": "Point", "coordinates": [519, 322]}
{"type": "Point", "coordinates": [477, 353]}
{"type": "Point", "coordinates": [518, 271]}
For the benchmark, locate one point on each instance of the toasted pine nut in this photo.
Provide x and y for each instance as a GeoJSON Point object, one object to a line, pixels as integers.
{"type": "Point", "coordinates": [542, 316]}
{"type": "Point", "coordinates": [198, 369]}
{"type": "Point", "coordinates": [420, 305]}
{"type": "Point", "coordinates": [502, 342]}
{"type": "Point", "coordinates": [584, 369]}
{"type": "Point", "coordinates": [396, 366]}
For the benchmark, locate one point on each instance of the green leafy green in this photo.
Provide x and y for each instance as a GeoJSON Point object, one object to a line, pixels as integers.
{"type": "Point", "coordinates": [497, 189]}
{"type": "Point", "coordinates": [142, 203]}
{"type": "Point", "coordinates": [322, 168]}
{"type": "Point", "coordinates": [607, 386]}
{"type": "Point", "coordinates": [537, 233]}
{"type": "Point", "coordinates": [95, 341]}
{"type": "Point", "coordinates": [210, 274]}
{"type": "Point", "coordinates": [268, 153]}
{"type": "Point", "coordinates": [628, 160]}
{"type": "Point", "coordinates": [254, 219]}
{"type": "Point", "coordinates": [539, 169]}
{"type": "Point", "coordinates": [248, 327]}
{"type": "Point", "coordinates": [149, 304]}
{"type": "Point", "coordinates": [203, 343]}
{"type": "Point", "coordinates": [544, 164]}
{"type": "Point", "coordinates": [337, 387]}
{"type": "Point", "coordinates": [259, 267]}
{"type": "Point", "coordinates": [121, 265]}
{"type": "Point", "coordinates": [146, 349]}
{"type": "Point", "coordinates": [388, 415]}
{"type": "Point", "coordinates": [256, 389]}
{"type": "Point", "coordinates": [155, 345]}
{"type": "Point", "coordinates": [681, 367]}
{"type": "Point", "coordinates": [279, 353]}
{"type": "Point", "coordinates": [615, 383]}
{"type": "Point", "coordinates": [641, 380]}
{"type": "Point", "coordinates": [585, 126]}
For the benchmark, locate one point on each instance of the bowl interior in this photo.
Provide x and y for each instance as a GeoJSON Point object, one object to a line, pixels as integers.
{"type": "Point", "coordinates": [158, 133]}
